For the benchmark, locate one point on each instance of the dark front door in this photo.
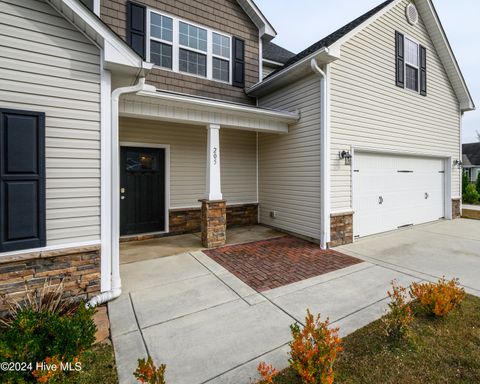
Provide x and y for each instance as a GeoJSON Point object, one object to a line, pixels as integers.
{"type": "Point", "coordinates": [142, 190]}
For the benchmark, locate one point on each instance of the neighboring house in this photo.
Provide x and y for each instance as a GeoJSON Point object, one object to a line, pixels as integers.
{"type": "Point", "coordinates": [120, 119]}
{"type": "Point", "coordinates": [471, 160]}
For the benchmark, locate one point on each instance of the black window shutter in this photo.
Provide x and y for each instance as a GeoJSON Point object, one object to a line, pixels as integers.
{"type": "Point", "coordinates": [238, 63]}
{"type": "Point", "coordinates": [399, 60]}
{"type": "Point", "coordinates": [22, 180]}
{"type": "Point", "coordinates": [423, 71]}
{"type": "Point", "coordinates": [137, 27]}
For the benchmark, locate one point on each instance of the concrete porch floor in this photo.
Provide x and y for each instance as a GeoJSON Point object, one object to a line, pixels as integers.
{"type": "Point", "coordinates": [131, 252]}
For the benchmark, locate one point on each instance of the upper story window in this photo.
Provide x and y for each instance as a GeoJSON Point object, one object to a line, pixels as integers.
{"type": "Point", "coordinates": [184, 47]}
{"type": "Point", "coordinates": [161, 40]}
{"type": "Point", "coordinates": [411, 64]}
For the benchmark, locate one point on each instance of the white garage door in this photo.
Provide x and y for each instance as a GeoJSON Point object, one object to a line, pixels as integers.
{"type": "Point", "coordinates": [395, 191]}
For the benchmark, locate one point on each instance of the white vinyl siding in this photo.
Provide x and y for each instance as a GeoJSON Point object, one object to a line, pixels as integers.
{"type": "Point", "coordinates": [369, 111]}
{"type": "Point", "coordinates": [47, 65]}
{"type": "Point", "coordinates": [188, 159]}
{"type": "Point", "coordinates": [289, 164]}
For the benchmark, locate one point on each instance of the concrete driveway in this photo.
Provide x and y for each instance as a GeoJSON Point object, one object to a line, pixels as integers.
{"type": "Point", "coordinates": [209, 327]}
{"type": "Point", "coordinates": [430, 251]}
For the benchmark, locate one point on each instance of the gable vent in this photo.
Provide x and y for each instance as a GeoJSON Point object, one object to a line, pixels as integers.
{"type": "Point", "coordinates": [412, 14]}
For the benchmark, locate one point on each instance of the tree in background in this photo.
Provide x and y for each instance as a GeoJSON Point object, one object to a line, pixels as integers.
{"type": "Point", "coordinates": [465, 182]}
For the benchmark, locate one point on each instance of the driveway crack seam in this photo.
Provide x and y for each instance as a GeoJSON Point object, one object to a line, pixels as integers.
{"type": "Point", "coordinates": [408, 272]}
{"type": "Point", "coordinates": [245, 362]}
{"type": "Point", "coordinates": [138, 324]}
{"type": "Point", "coordinates": [360, 309]}
{"type": "Point", "coordinates": [223, 282]}
{"type": "Point", "coordinates": [189, 314]}
{"type": "Point", "coordinates": [324, 282]}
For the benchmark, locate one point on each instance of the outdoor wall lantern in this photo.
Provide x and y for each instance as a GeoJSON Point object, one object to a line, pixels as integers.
{"type": "Point", "coordinates": [347, 156]}
{"type": "Point", "coordinates": [457, 163]}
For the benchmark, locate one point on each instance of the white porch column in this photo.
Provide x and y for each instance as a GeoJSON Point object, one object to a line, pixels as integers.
{"type": "Point", "coordinates": [213, 184]}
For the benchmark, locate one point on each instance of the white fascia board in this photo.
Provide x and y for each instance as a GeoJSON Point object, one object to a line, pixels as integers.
{"type": "Point", "coordinates": [208, 104]}
{"type": "Point", "coordinates": [439, 38]}
{"type": "Point", "coordinates": [338, 44]}
{"type": "Point", "coordinates": [272, 62]}
{"type": "Point", "coordinates": [434, 27]}
{"type": "Point", "coordinates": [116, 51]}
{"type": "Point", "coordinates": [265, 29]}
{"type": "Point", "coordinates": [323, 56]}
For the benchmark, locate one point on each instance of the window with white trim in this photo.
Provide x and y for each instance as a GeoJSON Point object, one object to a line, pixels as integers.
{"type": "Point", "coordinates": [221, 57]}
{"type": "Point", "coordinates": [412, 62]}
{"type": "Point", "coordinates": [161, 40]}
{"type": "Point", "coordinates": [188, 48]}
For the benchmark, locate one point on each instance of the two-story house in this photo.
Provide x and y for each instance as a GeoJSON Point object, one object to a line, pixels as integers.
{"type": "Point", "coordinates": [121, 118]}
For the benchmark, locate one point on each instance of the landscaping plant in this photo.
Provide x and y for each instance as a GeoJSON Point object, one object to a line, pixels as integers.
{"type": "Point", "coordinates": [465, 182]}
{"type": "Point", "coordinates": [471, 195]}
{"type": "Point", "coordinates": [399, 317]}
{"type": "Point", "coordinates": [438, 298]}
{"type": "Point", "coordinates": [478, 184]}
{"type": "Point", "coordinates": [268, 373]}
{"type": "Point", "coordinates": [147, 372]}
{"type": "Point", "coordinates": [314, 350]}
{"type": "Point", "coordinates": [43, 328]}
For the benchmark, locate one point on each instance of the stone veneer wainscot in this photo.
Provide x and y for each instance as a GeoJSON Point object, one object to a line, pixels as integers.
{"type": "Point", "coordinates": [79, 268]}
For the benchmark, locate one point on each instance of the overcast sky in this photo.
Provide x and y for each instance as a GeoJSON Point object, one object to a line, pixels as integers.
{"type": "Point", "coordinates": [300, 23]}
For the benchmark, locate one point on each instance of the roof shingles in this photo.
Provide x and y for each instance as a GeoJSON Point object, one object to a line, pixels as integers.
{"type": "Point", "coordinates": [274, 52]}
{"type": "Point", "coordinates": [333, 37]}
{"type": "Point", "coordinates": [472, 152]}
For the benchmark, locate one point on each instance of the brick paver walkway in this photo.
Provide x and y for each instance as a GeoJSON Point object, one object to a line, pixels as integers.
{"type": "Point", "coordinates": [275, 262]}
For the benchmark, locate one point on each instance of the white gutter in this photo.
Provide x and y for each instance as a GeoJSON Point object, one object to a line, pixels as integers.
{"type": "Point", "coordinates": [286, 71]}
{"type": "Point", "coordinates": [116, 284]}
{"type": "Point", "coordinates": [324, 155]}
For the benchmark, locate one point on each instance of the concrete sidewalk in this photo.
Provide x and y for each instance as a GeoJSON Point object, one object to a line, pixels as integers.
{"type": "Point", "coordinates": [209, 327]}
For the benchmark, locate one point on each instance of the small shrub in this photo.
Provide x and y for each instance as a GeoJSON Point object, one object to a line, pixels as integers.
{"type": "Point", "coordinates": [478, 184]}
{"type": "Point", "coordinates": [314, 350]}
{"type": "Point", "coordinates": [399, 317]}
{"type": "Point", "coordinates": [44, 327]}
{"type": "Point", "coordinates": [267, 372]}
{"type": "Point", "coordinates": [471, 196]}
{"type": "Point", "coordinates": [147, 372]}
{"type": "Point", "coordinates": [438, 298]}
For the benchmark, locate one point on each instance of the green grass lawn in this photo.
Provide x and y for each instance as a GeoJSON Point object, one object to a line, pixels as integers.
{"type": "Point", "coordinates": [439, 350]}
{"type": "Point", "coordinates": [98, 367]}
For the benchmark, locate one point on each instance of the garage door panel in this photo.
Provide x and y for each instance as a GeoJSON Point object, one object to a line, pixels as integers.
{"type": "Point", "coordinates": [391, 191]}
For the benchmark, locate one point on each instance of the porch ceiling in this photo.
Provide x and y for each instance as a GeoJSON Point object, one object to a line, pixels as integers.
{"type": "Point", "coordinates": [202, 111]}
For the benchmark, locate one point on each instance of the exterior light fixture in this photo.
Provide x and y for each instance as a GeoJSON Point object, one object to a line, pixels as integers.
{"type": "Point", "coordinates": [458, 164]}
{"type": "Point", "coordinates": [346, 155]}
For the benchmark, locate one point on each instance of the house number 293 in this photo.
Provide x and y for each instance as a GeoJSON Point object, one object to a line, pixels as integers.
{"type": "Point", "coordinates": [215, 155]}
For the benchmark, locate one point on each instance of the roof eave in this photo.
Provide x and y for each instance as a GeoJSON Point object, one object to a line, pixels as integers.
{"type": "Point", "coordinates": [293, 72]}
{"type": "Point", "coordinates": [266, 30]}
{"type": "Point", "coordinates": [117, 55]}
{"type": "Point", "coordinates": [222, 106]}
{"type": "Point", "coordinates": [429, 14]}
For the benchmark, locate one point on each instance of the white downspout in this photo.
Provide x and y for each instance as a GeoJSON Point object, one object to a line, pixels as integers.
{"type": "Point", "coordinates": [324, 157]}
{"type": "Point", "coordinates": [116, 284]}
